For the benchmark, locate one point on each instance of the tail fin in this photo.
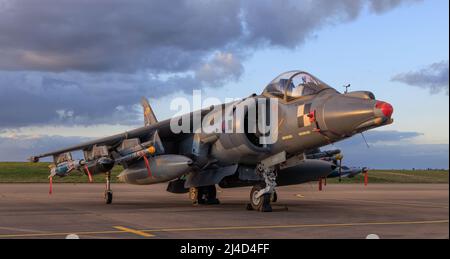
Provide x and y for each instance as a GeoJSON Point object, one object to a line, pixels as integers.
{"type": "Point", "coordinates": [149, 115]}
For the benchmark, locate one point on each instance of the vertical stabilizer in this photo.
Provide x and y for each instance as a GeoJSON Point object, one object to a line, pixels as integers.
{"type": "Point", "coordinates": [149, 115]}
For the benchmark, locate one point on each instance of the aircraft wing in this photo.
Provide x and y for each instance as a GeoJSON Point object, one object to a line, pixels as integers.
{"type": "Point", "coordinates": [143, 133]}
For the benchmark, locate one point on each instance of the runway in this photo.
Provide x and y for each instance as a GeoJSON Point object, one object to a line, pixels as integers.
{"type": "Point", "coordinates": [340, 211]}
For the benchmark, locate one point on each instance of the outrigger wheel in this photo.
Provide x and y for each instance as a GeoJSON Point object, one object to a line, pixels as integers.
{"type": "Point", "coordinates": [108, 191]}
{"type": "Point", "coordinates": [108, 197]}
{"type": "Point", "coordinates": [261, 203]}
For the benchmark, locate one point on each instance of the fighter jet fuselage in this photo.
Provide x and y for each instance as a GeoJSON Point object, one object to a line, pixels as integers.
{"type": "Point", "coordinates": [260, 140]}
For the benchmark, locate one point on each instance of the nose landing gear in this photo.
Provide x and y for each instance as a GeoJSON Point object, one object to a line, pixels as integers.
{"type": "Point", "coordinates": [261, 203]}
{"type": "Point", "coordinates": [263, 194]}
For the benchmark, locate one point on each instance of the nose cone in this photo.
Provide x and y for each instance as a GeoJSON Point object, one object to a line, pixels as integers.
{"type": "Point", "coordinates": [344, 116]}
{"type": "Point", "coordinates": [385, 108]}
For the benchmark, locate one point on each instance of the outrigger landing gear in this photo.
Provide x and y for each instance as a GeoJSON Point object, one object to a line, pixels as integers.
{"type": "Point", "coordinates": [108, 191]}
{"type": "Point", "coordinates": [204, 195]}
{"type": "Point", "coordinates": [263, 194]}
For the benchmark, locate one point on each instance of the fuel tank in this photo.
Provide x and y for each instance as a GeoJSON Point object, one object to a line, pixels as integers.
{"type": "Point", "coordinates": [160, 169]}
{"type": "Point", "coordinates": [99, 166]}
{"type": "Point", "coordinates": [305, 171]}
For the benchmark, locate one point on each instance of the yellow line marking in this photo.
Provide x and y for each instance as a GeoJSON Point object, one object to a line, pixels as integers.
{"type": "Point", "coordinates": [303, 226]}
{"type": "Point", "coordinates": [134, 231]}
{"type": "Point", "coordinates": [232, 228]}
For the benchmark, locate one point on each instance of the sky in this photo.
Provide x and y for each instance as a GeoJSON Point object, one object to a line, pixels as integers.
{"type": "Point", "coordinates": [75, 70]}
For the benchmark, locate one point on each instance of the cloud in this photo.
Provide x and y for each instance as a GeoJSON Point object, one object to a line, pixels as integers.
{"type": "Point", "coordinates": [20, 148]}
{"type": "Point", "coordinates": [223, 67]}
{"type": "Point", "coordinates": [75, 98]}
{"type": "Point", "coordinates": [419, 156]}
{"type": "Point", "coordinates": [115, 35]}
{"type": "Point", "coordinates": [393, 150]}
{"type": "Point", "coordinates": [74, 62]}
{"type": "Point", "coordinates": [389, 136]}
{"type": "Point", "coordinates": [434, 78]}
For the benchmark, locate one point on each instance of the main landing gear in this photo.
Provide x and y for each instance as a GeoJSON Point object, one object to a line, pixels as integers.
{"type": "Point", "coordinates": [108, 191]}
{"type": "Point", "coordinates": [206, 195]}
{"type": "Point", "coordinates": [263, 194]}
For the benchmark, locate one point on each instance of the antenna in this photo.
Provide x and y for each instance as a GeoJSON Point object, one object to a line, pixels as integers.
{"type": "Point", "coordinates": [347, 87]}
{"type": "Point", "coordinates": [364, 137]}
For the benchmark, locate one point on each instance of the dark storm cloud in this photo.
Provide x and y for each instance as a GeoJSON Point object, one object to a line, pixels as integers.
{"type": "Point", "coordinates": [75, 98]}
{"type": "Point", "coordinates": [116, 35]}
{"type": "Point", "coordinates": [87, 62]}
{"type": "Point", "coordinates": [434, 78]}
{"type": "Point", "coordinates": [105, 35]}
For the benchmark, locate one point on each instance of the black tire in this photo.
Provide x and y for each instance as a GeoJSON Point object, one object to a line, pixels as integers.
{"type": "Point", "coordinates": [108, 197]}
{"type": "Point", "coordinates": [256, 203]}
{"type": "Point", "coordinates": [266, 203]}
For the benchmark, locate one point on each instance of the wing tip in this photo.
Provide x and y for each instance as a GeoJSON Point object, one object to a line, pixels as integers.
{"type": "Point", "coordinates": [33, 159]}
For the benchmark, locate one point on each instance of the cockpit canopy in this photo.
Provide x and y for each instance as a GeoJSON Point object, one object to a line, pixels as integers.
{"type": "Point", "coordinates": [295, 84]}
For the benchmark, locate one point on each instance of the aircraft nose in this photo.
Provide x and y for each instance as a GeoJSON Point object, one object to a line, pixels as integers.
{"type": "Point", "coordinates": [385, 108]}
{"type": "Point", "coordinates": [345, 116]}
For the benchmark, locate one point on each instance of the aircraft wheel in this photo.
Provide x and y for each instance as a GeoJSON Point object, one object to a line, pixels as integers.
{"type": "Point", "coordinates": [260, 203]}
{"type": "Point", "coordinates": [255, 202]}
{"type": "Point", "coordinates": [108, 197]}
{"type": "Point", "coordinates": [266, 203]}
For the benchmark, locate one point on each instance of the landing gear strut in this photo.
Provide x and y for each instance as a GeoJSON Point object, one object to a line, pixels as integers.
{"type": "Point", "coordinates": [263, 194]}
{"type": "Point", "coordinates": [204, 195]}
{"type": "Point", "coordinates": [108, 191]}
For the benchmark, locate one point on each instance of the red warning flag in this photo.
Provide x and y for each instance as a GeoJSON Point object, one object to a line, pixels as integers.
{"type": "Point", "coordinates": [147, 164]}
{"type": "Point", "coordinates": [89, 174]}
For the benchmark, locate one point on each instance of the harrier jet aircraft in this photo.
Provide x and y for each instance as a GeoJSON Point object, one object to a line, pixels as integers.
{"type": "Point", "coordinates": [309, 114]}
